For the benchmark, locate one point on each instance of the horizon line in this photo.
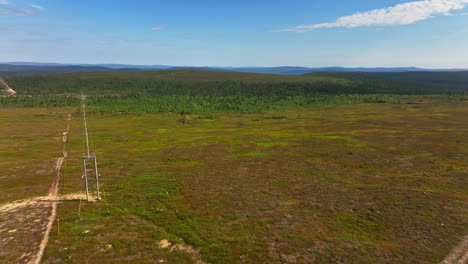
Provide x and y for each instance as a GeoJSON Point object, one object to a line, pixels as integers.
{"type": "Point", "coordinates": [205, 66]}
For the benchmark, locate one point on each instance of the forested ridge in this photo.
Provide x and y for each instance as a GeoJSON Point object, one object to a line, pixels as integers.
{"type": "Point", "coordinates": [428, 80]}
{"type": "Point", "coordinates": [206, 91]}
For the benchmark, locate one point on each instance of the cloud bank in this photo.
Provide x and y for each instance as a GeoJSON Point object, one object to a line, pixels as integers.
{"type": "Point", "coordinates": [9, 9]}
{"type": "Point", "coordinates": [401, 14]}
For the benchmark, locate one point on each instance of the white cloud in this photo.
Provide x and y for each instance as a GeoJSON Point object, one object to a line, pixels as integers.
{"type": "Point", "coordinates": [464, 14]}
{"type": "Point", "coordinates": [9, 9]}
{"type": "Point", "coordinates": [401, 14]}
{"type": "Point", "coordinates": [37, 6]}
{"type": "Point", "coordinates": [158, 28]}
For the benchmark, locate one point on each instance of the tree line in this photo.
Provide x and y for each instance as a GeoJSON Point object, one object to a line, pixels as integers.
{"type": "Point", "coordinates": [137, 95]}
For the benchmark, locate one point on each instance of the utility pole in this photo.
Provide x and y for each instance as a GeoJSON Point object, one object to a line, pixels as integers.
{"type": "Point", "coordinates": [90, 171]}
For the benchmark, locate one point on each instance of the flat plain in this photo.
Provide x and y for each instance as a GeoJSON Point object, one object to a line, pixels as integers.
{"type": "Point", "coordinates": [30, 148]}
{"type": "Point", "coordinates": [369, 183]}
{"type": "Point", "coordinates": [211, 167]}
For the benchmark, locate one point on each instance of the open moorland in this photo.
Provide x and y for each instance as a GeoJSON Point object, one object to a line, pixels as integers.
{"type": "Point", "coordinates": [31, 148]}
{"type": "Point", "coordinates": [204, 168]}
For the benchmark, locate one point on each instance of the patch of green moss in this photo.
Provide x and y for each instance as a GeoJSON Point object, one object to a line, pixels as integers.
{"type": "Point", "coordinates": [219, 254]}
{"type": "Point", "coordinates": [249, 154]}
{"type": "Point", "coordinates": [350, 141]}
{"type": "Point", "coordinates": [269, 144]}
{"type": "Point", "coordinates": [325, 176]}
{"type": "Point", "coordinates": [183, 162]}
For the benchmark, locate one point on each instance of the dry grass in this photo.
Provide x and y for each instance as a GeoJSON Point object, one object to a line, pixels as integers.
{"type": "Point", "coordinates": [352, 184]}
{"type": "Point", "coordinates": [29, 148]}
{"type": "Point", "coordinates": [30, 143]}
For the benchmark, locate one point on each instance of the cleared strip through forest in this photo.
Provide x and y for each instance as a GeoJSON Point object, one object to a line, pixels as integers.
{"type": "Point", "coordinates": [8, 89]}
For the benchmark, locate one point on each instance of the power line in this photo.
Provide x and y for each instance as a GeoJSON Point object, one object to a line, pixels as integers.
{"type": "Point", "coordinates": [90, 169]}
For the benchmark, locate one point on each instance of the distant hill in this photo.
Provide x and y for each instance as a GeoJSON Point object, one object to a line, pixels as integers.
{"type": "Point", "coordinates": [446, 80]}
{"type": "Point", "coordinates": [111, 66]}
{"type": "Point", "coordinates": [34, 68]}
{"type": "Point", "coordinates": [456, 80]}
{"type": "Point", "coordinates": [12, 70]}
{"type": "Point", "coordinates": [303, 70]}
{"type": "Point", "coordinates": [192, 75]}
{"type": "Point", "coordinates": [195, 82]}
{"type": "Point", "coordinates": [201, 68]}
{"type": "Point", "coordinates": [431, 80]}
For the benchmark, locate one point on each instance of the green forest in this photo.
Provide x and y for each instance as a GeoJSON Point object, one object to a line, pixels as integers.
{"type": "Point", "coordinates": [197, 91]}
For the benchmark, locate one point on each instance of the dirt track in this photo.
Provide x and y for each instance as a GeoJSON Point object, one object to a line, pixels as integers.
{"type": "Point", "coordinates": [8, 89]}
{"type": "Point", "coordinates": [26, 224]}
{"type": "Point", "coordinates": [459, 255]}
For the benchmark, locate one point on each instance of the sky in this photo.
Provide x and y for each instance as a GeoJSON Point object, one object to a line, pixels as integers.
{"type": "Point", "coordinates": [312, 33]}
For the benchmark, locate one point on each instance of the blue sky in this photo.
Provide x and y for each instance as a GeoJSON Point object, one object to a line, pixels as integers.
{"type": "Point", "coordinates": [387, 33]}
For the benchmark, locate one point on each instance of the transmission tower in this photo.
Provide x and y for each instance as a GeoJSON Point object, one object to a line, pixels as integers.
{"type": "Point", "coordinates": [90, 170]}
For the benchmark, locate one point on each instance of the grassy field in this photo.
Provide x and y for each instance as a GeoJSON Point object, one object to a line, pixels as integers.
{"type": "Point", "coordinates": [29, 146]}
{"type": "Point", "coordinates": [369, 183]}
{"type": "Point", "coordinates": [219, 167]}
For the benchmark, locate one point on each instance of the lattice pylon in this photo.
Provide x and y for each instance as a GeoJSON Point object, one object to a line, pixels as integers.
{"type": "Point", "coordinates": [91, 177]}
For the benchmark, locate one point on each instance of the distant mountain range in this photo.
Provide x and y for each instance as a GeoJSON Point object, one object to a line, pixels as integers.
{"type": "Point", "coordinates": [32, 68]}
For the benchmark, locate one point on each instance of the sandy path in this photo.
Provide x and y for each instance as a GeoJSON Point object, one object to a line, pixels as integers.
{"type": "Point", "coordinates": [26, 224]}
{"type": "Point", "coordinates": [8, 90]}
{"type": "Point", "coordinates": [459, 254]}
{"type": "Point", "coordinates": [53, 193]}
